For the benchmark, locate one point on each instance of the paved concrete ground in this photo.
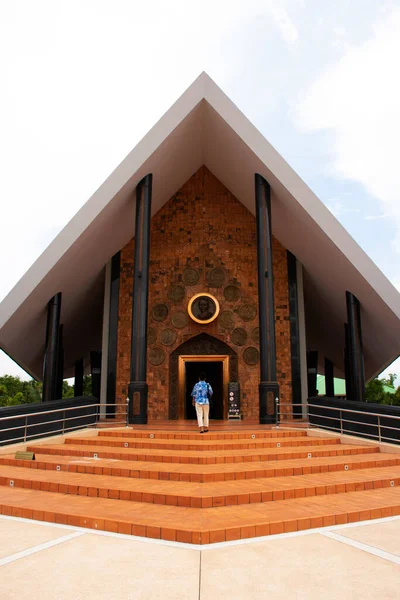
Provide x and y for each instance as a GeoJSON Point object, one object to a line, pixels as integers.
{"type": "Point", "coordinates": [46, 561]}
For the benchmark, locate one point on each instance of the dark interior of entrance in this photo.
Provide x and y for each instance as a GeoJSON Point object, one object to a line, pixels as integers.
{"type": "Point", "coordinates": [214, 376]}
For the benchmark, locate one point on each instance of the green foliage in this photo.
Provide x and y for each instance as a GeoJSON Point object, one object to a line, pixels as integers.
{"type": "Point", "coordinates": [14, 391]}
{"type": "Point", "coordinates": [68, 390]}
{"type": "Point", "coordinates": [375, 391]}
{"type": "Point", "coordinates": [87, 385]}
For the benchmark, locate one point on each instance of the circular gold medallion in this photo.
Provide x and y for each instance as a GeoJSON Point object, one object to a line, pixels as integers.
{"type": "Point", "coordinates": [232, 293]}
{"type": "Point", "coordinates": [251, 356]}
{"type": "Point", "coordinates": [176, 293]}
{"type": "Point", "coordinates": [203, 308]}
{"type": "Point", "coordinates": [168, 337]}
{"type": "Point", "coordinates": [227, 320]}
{"type": "Point", "coordinates": [151, 336]}
{"type": "Point", "coordinates": [180, 320]}
{"type": "Point", "coordinates": [247, 312]}
{"type": "Point", "coordinates": [255, 335]}
{"type": "Point", "coordinates": [156, 356]}
{"type": "Point", "coordinates": [239, 336]}
{"type": "Point", "coordinates": [160, 312]}
{"type": "Point", "coordinates": [190, 276]}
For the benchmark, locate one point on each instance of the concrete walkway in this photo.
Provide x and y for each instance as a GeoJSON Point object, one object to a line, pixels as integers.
{"type": "Point", "coordinates": [47, 561]}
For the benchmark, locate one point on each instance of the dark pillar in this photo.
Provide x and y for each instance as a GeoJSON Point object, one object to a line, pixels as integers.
{"type": "Point", "coordinates": [51, 356]}
{"type": "Point", "coordinates": [269, 388]}
{"type": "Point", "coordinates": [95, 370]}
{"type": "Point", "coordinates": [79, 370]}
{"type": "Point", "coordinates": [347, 366]}
{"type": "Point", "coordinates": [294, 335]}
{"type": "Point", "coordinates": [60, 364]}
{"type": "Point", "coordinates": [137, 389]}
{"type": "Point", "coordinates": [329, 379]}
{"type": "Point", "coordinates": [113, 336]}
{"type": "Point", "coordinates": [356, 356]}
{"type": "Point", "coordinates": [312, 371]}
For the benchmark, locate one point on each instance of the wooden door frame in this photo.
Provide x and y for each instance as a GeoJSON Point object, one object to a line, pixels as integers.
{"type": "Point", "coordinates": [184, 358]}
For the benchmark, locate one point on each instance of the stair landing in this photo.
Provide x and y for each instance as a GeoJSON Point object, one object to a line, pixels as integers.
{"type": "Point", "coordinates": [228, 484]}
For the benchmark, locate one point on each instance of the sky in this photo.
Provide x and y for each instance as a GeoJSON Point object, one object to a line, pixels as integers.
{"type": "Point", "coordinates": [83, 81]}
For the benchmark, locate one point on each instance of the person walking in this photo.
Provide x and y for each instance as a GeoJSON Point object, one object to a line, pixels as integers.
{"type": "Point", "coordinates": [201, 393]}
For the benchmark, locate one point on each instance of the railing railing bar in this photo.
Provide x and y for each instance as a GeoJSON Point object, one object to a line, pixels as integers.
{"type": "Point", "coordinates": [48, 412]}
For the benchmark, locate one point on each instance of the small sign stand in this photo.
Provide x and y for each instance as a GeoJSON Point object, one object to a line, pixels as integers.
{"type": "Point", "coordinates": [234, 400]}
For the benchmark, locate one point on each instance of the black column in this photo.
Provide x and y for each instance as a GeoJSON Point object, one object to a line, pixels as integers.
{"type": "Point", "coordinates": [294, 335]}
{"type": "Point", "coordinates": [95, 369]}
{"type": "Point", "coordinates": [137, 389]}
{"type": "Point", "coordinates": [312, 371]}
{"type": "Point", "coordinates": [79, 370]}
{"type": "Point", "coordinates": [113, 335]}
{"type": "Point", "coordinates": [60, 364]}
{"type": "Point", "coordinates": [51, 356]}
{"type": "Point", "coordinates": [329, 379]}
{"type": "Point", "coordinates": [347, 366]}
{"type": "Point", "coordinates": [269, 388]}
{"type": "Point", "coordinates": [356, 356]}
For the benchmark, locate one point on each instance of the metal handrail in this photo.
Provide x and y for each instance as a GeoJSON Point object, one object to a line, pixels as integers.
{"type": "Point", "coordinates": [343, 420]}
{"type": "Point", "coordinates": [63, 420]}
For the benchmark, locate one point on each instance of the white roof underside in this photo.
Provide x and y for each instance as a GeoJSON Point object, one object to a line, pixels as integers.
{"type": "Point", "coordinates": [202, 127]}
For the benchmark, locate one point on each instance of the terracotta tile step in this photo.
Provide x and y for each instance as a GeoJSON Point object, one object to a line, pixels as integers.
{"type": "Point", "coordinates": [214, 435]}
{"type": "Point", "coordinates": [206, 457]}
{"type": "Point", "coordinates": [204, 526]}
{"type": "Point", "coordinates": [204, 473]}
{"type": "Point", "coordinates": [197, 495]}
{"type": "Point", "coordinates": [200, 446]}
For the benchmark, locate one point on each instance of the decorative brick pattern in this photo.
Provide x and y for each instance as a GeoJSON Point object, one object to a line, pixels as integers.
{"type": "Point", "coordinates": [203, 227]}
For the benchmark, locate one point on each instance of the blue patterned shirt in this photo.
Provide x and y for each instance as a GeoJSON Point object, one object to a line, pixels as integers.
{"type": "Point", "coordinates": [199, 392]}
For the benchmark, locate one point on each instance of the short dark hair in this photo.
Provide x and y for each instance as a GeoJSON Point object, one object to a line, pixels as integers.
{"type": "Point", "coordinates": [202, 376]}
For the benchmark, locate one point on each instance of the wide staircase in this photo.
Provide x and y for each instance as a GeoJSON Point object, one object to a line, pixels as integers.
{"type": "Point", "coordinates": [200, 489]}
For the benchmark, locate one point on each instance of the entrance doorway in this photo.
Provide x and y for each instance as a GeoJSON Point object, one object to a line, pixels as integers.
{"type": "Point", "coordinates": [216, 369]}
{"type": "Point", "coordinates": [214, 376]}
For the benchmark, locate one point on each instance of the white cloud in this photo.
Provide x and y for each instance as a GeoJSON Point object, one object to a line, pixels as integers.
{"type": "Point", "coordinates": [338, 209]}
{"type": "Point", "coordinates": [358, 99]}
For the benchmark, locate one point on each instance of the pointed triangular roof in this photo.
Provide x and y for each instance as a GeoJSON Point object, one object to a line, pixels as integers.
{"type": "Point", "coordinates": [202, 127]}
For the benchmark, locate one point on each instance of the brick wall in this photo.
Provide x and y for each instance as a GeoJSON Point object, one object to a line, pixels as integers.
{"type": "Point", "coordinates": [203, 227]}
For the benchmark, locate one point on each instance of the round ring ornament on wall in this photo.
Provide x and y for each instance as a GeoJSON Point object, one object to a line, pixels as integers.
{"type": "Point", "coordinates": [203, 308]}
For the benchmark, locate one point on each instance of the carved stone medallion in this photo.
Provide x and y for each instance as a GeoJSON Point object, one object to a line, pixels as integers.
{"type": "Point", "coordinates": [239, 336]}
{"type": "Point", "coordinates": [227, 320]}
{"type": "Point", "coordinates": [168, 337]}
{"type": "Point", "coordinates": [255, 335]}
{"type": "Point", "coordinates": [156, 356]}
{"type": "Point", "coordinates": [190, 276]}
{"type": "Point", "coordinates": [176, 293]}
{"type": "Point", "coordinates": [251, 356]}
{"type": "Point", "coordinates": [232, 293]}
{"type": "Point", "coordinates": [151, 336]}
{"type": "Point", "coordinates": [160, 312]}
{"type": "Point", "coordinates": [247, 312]}
{"type": "Point", "coordinates": [217, 277]}
{"type": "Point", "coordinates": [180, 320]}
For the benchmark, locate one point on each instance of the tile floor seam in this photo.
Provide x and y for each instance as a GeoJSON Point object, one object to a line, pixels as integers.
{"type": "Point", "coordinates": [362, 546]}
{"type": "Point", "coordinates": [38, 548]}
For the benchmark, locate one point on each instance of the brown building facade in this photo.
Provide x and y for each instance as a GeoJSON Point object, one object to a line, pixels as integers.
{"type": "Point", "coordinates": [203, 240]}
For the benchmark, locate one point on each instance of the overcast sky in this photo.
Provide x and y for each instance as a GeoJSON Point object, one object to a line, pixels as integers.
{"type": "Point", "coordinates": [83, 81]}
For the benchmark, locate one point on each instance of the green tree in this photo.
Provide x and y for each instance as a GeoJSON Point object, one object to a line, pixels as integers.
{"type": "Point", "coordinates": [14, 391]}
{"type": "Point", "coordinates": [389, 380]}
{"type": "Point", "coordinates": [87, 385]}
{"type": "Point", "coordinates": [68, 390]}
